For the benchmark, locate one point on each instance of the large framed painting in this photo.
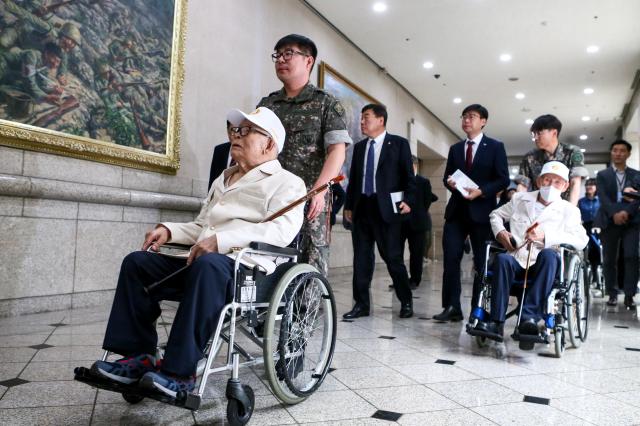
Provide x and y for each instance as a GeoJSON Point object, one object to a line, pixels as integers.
{"type": "Point", "coordinates": [94, 79]}
{"type": "Point", "coordinates": [353, 99]}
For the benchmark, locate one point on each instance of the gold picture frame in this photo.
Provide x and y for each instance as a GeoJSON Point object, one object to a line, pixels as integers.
{"type": "Point", "coordinates": [128, 114]}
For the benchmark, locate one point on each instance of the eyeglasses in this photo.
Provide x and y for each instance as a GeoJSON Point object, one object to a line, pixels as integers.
{"type": "Point", "coordinates": [469, 117]}
{"type": "Point", "coordinates": [245, 130]}
{"type": "Point", "coordinates": [287, 55]}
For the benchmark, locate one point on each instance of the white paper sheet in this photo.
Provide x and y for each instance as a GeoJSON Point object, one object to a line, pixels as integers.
{"type": "Point", "coordinates": [396, 197]}
{"type": "Point", "coordinates": [463, 181]}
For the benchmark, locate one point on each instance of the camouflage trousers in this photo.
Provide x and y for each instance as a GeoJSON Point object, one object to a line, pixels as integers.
{"type": "Point", "coordinates": [314, 243]}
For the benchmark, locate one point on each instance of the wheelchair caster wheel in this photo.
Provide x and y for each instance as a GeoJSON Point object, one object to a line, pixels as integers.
{"type": "Point", "coordinates": [501, 350]}
{"type": "Point", "coordinates": [132, 398]}
{"type": "Point", "coordinates": [238, 412]}
{"type": "Point", "coordinates": [526, 346]}
{"type": "Point", "coordinates": [482, 341]}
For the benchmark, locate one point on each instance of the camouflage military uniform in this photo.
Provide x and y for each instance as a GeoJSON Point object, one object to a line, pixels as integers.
{"type": "Point", "coordinates": [531, 165]}
{"type": "Point", "coordinates": [313, 120]}
{"type": "Point", "coordinates": [24, 70]}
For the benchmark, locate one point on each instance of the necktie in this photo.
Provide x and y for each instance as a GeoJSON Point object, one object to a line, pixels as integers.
{"type": "Point", "coordinates": [370, 172]}
{"type": "Point", "coordinates": [469, 157]}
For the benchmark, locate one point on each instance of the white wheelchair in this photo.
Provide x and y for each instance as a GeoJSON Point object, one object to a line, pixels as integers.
{"type": "Point", "coordinates": [290, 314]}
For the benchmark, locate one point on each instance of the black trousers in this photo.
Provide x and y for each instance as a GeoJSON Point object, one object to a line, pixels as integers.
{"type": "Point", "coordinates": [369, 228]}
{"type": "Point", "coordinates": [455, 232]}
{"type": "Point", "coordinates": [417, 242]}
{"type": "Point", "coordinates": [202, 290]}
{"type": "Point", "coordinates": [613, 237]}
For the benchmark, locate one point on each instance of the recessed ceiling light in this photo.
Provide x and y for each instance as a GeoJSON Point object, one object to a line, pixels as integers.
{"type": "Point", "coordinates": [583, 150]}
{"type": "Point", "coordinates": [519, 95]}
{"type": "Point", "coordinates": [588, 91]}
{"type": "Point", "coordinates": [379, 7]}
{"type": "Point", "coordinates": [584, 137]}
{"type": "Point", "coordinates": [528, 121]}
{"type": "Point", "coordinates": [457, 100]}
{"type": "Point", "coordinates": [505, 57]}
{"type": "Point", "coordinates": [428, 65]}
{"type": "Point", "coordinates": [585, 118]}
{"type": "Point", "coordinates": [592, 49]}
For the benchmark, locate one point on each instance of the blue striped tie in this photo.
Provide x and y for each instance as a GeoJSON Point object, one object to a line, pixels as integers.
{"type": "Point", "coordinates": [370, 172]}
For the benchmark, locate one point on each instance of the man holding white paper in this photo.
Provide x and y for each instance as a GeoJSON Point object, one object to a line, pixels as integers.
{"type": "Point", "coordinates": [476, 171]}
{"type": "Point", "coordinates": [380, 193]}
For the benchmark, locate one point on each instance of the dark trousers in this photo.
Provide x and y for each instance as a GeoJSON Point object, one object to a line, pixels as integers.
{"type": "Point", "coordinates": [369, 228]}
{"type": "Point", "coordinates": [455, 232]}
{"type": "Point", "coordinates": [202, 290]}
{"type": "Point", "coordinates": [593, 251]}
{"type": "Point", "coordinates": [417, 242]}
{"type": "Point", "coordinates": [540, 280]}
{"type": "Point", "coordinates": [612, 238]}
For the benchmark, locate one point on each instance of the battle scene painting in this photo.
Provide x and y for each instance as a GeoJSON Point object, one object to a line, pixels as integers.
{"type": "Point", "coordinates": [96, 70]}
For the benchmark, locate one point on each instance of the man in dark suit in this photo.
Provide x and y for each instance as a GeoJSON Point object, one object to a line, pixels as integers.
{"type": "Point", "coordinates": [380, 174]}
{"type": "Point", "coordinates": [620, 222]}
{"type": "Point", "coordinates": [414, 230]}
{"type": "Point", "coordinates": [484, 161]}
{"type": "Point", "coordinates": [221, 158]}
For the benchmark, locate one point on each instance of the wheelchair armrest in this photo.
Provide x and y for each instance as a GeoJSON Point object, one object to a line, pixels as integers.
{"type": "Point", "coordinates": [186, 247]}
{"type": "Point", "coordinates": [285, 251]}
{"type": "Point", "coordinates": [494, 245]}
{"type": "Point", "coordinates": [569, 248]}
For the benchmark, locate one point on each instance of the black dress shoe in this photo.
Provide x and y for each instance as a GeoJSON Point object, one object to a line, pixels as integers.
{"type": "Point", "coordinates": [495, 331]}
{"type": "Point", "coordinates": [414, 284]}
{"type": "Point", "coordinates": [449, 314]}
{"type": "Point", "coordinates": [357, 311]}
{"type": "Point", "coordinates": [406, 310]}
{"type": "Point", "coordinates": [629, 303]}
{"type": "Point", "coordinates": [529, 327]}
{"type": "Point", "coordinates": [613, 300]}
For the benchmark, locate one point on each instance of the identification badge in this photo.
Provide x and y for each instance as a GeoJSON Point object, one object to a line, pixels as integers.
{"type": "Point", "coordinates": [619, 196]}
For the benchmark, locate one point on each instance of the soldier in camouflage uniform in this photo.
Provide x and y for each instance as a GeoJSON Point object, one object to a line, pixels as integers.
{"type": "Point", "coordinates": [545, 131]}
{"type": "Point", "coordinates": [317, 136]}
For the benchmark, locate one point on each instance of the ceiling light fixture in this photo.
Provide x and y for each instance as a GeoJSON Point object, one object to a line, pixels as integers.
{"type": "Point", "coordinates": [586, 118]}
{"type": "Point", "coordinates": [593, 49]}
{"type": "Point", "coordinates": [519, 95]}
{"type": "Point", "coordinates": [505, 57]}
{"type": "Point", "coordinates": [379, 7]}
{"type": "Point", "coordinates": [588, 91]}
{"type": "Point", "coordinates": [427, 65]}
{"type": "Point", "coordinates": [583, 150]}
{"type": "Point", "coordinates": [457, 100]}
{"type": "Point", "coordinates": [528, 121]}
{"type": "Point", "coordinates": [584, 137]}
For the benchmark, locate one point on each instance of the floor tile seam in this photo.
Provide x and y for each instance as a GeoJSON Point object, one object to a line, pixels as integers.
{"type": "Point", "coordinates": [636, 383]}
{"type": "Point", "coordinates": [560, 408]}
{"type": "Point", "coordinates": [498, 384]}
{"type": "Point", "coordinates": [48, 406]}
{"type": "Point", "coordinates": [489, 405]}
{"type": "Point", "coordinates": [453, 366]}
{"type": "Point", "coordinates": [36, 352]}
{"type": "Point", "coordinates": [93, 407]}
{"type": "Point", "coordinates": [286, 408]}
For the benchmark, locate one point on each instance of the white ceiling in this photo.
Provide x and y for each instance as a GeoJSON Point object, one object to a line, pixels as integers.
{"type": "Point", "coordinates": [547, 40]}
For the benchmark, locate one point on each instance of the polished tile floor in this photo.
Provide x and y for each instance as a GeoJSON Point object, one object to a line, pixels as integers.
{"type": "Point", "coordinates": [385, 370]}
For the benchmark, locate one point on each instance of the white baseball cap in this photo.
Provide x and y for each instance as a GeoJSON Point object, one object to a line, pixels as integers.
{"type": "Point", "coordinates": [265, 119]}
{"type": "Point", "coordinates": [556, 168]}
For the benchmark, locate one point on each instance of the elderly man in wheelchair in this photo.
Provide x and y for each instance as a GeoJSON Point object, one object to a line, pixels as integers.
{"type": "Point", "coordinates": [545, 231]}
{"type": "Point", "coordinates": [211, 284]}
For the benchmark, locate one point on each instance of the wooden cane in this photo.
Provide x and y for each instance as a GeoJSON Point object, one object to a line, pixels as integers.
{"type": "Point", "coordinates": [526, 274]}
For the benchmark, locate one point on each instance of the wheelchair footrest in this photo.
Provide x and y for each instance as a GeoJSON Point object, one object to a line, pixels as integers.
{"type": "Point", "coordinates": [481, 333]}
{"type": "Point", "coordinates": [531, 338]}
{"type": "Point", "coordinates": [85, 375]}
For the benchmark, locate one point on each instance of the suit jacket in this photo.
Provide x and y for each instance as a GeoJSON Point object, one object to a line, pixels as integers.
{"type": "Point", "coordinates": [233, 213]}
{"type": "Point", "coordinates": [394, 173]}
{"type": "Point", "coordinates": [560, 221]}
{"type": "Point", "coordinates": [219, 161]}
{"type": "Point", "coordinates": [489, 170]}
{"type": "Point", "coordinates": [608, 194]}
{"type": "Point", "coordinates": [420, 220]}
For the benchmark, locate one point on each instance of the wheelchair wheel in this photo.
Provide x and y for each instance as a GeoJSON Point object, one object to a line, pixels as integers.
{"type": "Point", "coordinates": [131, 398]}
{"type": "Point", "coordinates": [300, 334]}
{"type": "Point", "coordinates": [559, 343]}
{"type": "Point", "coordinates": [573, 314]}
{"type": "Point", "coordinates": [482, 341]}
{"type": "Point", "coordinates": [583, 306]}
{"type": "Point", "coordinates": [237, 413]}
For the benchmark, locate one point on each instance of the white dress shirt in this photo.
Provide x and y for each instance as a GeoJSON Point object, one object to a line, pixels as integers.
{"type": "Point", "coordinates": [376, 156]}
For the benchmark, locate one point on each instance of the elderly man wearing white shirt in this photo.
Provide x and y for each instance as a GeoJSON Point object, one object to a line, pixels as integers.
{"type": "Point", "coordinates": [558, 222]}
{"type": "Point", "coordinates": [232, 216]}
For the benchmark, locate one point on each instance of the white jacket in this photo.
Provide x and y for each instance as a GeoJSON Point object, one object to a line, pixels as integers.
{"type": "Point", "coordinates": [233, 214]}
{"type": "Point", "coordinates": [560, 221]}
